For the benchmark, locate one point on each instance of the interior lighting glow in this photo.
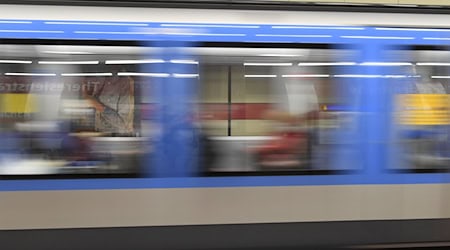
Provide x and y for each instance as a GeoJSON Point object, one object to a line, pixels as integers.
{"type": "Point", "coordinates": [29, 74]}
{"type": "Point", "coordinates": [440, 77]}
{"type": "Point", "coordinates": [180, 61]}
{"type": "Point", "coordinates": [385, 64]}
{"type": "Point", "coordinates": [281, 55]}
{"type": "Point", "coordinates": [134, 61]}
{"type": "Point", "coordinates": [176, 75]}
{"type": "Point", "coordinates": [260, 76]}
{"type": "Point", "coordinates": [326, 63]}
{"type": "Point", "coordinates": [370, 76]}
{"type": "Point", "coordinates": [68, 62]}
{"type": "Point", "coordinates": [267, 64]}
{"type": "Point", "coordinates": [358, 76]}
{"type": "Point", "coordinates": [16, 61]}
{"type": "Point", "coordinates": [307, 75]}
{"type": "Point", "coordinates": [86, 74]}
{"type": "Point", "coordinates": [143, 74]}
{"type": "Point", "coordinates": [432, 64]}
{"type": "Point", "coordinates": [67, 52]}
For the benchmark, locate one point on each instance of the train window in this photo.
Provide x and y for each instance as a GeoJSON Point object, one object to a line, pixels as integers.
{"type": "Point", "coordinates": [70, 110]}
{"type": "Point", "coordinates": [421, 110]}
{"type": "Point", "coordinates": [273, 110]}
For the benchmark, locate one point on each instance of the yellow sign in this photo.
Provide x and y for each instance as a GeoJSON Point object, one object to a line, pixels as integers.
{"type": "Point", "coordinates": [17, 103]}
{"type": "Point", "coordinates": [424, 109]}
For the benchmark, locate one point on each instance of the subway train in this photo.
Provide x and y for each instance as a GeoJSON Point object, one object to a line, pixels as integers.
{"type": "Point", "coordinates": [158, 128]}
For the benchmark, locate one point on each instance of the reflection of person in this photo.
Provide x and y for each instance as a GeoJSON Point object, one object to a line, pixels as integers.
{"type": "Point", "coordinates": [426, 123]}
{"type": "Point", "coordinates": [297, 105]}
{"type": "Point", "coordinates": [113, 100]}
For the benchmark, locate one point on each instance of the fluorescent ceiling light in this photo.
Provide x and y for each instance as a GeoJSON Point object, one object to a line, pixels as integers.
{"type": "Point", "coordinates": [16, 61]}
{"type": "Point", "coordinates": [371, 76]}
{"type": "Point", "coordinates": [143, 74]}
{"type": "Point", "coordinates": [180, 61]}
{"type": "Point", "coordinates": [86, 74]}
{"type": "Point", "coordinates": [432, 64]}
{"type": "Point", "coordinates": [326, 63]}
{"type": "Point", "coordinates": [176, 75]}
{"type": "Point", "coordinates": [260, 76]}
{"type": "Point", "coordinates": [307, 76]}
{"type": "Point", "coordinates": [385, 64]}
{"type": "Point", "coordinates": [29, 74]}
{"type": "Point", "coordinates": [357, 76]}
{"type": "Point", "coordinates": [395, 76]}
{"type": "Point", "coordinates": [281, 55]}
{"type": "Point", "coordinates": [134, 61]}
{"type": "Point", "coordinates": [440, 77]}
{"type": "Point", "coordinates": [68, 62]}
{"type": "Point", "coordinates": [267, 64]}
{"type": "Point", "coordinates": [67, 52]}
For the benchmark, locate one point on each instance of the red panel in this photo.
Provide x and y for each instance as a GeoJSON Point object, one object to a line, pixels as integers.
{"type": "Point", "coordinates": [239, 111]}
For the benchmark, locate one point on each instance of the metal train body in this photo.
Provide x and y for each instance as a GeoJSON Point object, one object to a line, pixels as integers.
{"type": "Point", "coordinates": [365, 206]}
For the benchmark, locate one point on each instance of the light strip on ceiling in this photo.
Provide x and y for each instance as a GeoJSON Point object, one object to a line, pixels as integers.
{"type": "Point", "coordinates": [181, 61]}
{"type": "Point", "coordinates": [29, 74]}
{"type": "Point", "coordinates": [432, 64]}
{"type": "Point", "coordinates": [260, 76]}
{"type": "Point", "coordinates": [68, 62]}
{"type": "Point", "coordinates": [16, 61]}
{"type": "Point", "coordinates": [143, 74]}
{"type": "Point", "coordinates": [385, 64]}
{"type": "Point", "coordinates": [86, 74]}
{"type": "Point", "coordinates": [440, 77]}
{"type": "Point", "coordinates": [307, 76]}
{"type": "Point", "coordinates": [134, 61]}
{"type": "Point", "coordinates": [179, 75]}
{"type": "Point", "coordinates": [326, 63]}
{"type": "Point", "coordinates": [267, 64]}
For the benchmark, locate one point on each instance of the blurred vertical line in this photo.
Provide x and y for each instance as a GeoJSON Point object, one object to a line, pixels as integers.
{"type": "Point", "coordinates": [229, 100]}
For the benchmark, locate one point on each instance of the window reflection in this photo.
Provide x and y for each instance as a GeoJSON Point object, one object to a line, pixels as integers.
{"type": "Point", "coordinates": [70, 114]}
{"type": "Point", "coordinates": [422, 111]}
{"type": "Point", "coordinates": [272, 109]}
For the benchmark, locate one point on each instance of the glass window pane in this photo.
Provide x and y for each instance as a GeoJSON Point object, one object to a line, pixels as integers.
{"type": "Point", "coordinates": [271, 109]}
{"type": "Point", "coordinates": [421, 110]}
{"type": "Point", "coordinates": [71, 110]}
